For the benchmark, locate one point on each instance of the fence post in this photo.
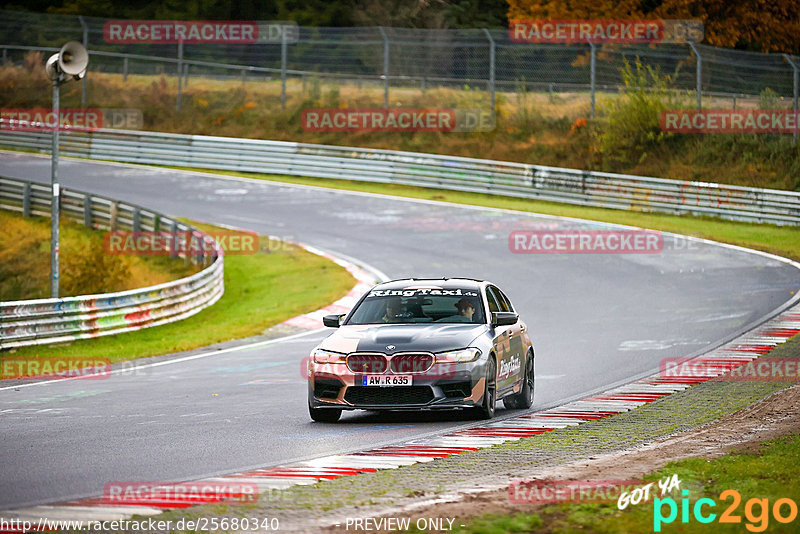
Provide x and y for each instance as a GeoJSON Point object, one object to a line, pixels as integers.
{"type": "Point", "coordinates": [180, 73]}
{"type": "Point", "coordinates": [699, 75]}
{"type": "Point", "coordinates": [26, 200]}
{"type": "Point", "coordinates": [87, 211]}
{"type": "Point", "coordinates": [186, 75]}
{"type": "Point", "coordinates": [385, 67]}
{"type": "Point", "coordinates": [125, 69]}
{"type": "Point", "coordinates": [592, 74]}
{"type": "Point", "coordinates": [5, 55]}
{"type": "Point", "coordinates": [492, 52]}
{"type": "Point", "coordinates": [173, 243]}
{"type": "Point", "coordinates": [284, 51]}
{"type": "Point", "coordinates": [136, 224]}
{"type": "Point", "coordinates": [200, 245]}
{"type": "Point", "coordinates": [86, 46]}
{"type": "Point", "coordinates": [112, 216]}
{"type": "Point", "coordinates": [796, 84]}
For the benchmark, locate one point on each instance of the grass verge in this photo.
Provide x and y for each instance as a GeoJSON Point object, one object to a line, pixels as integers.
{"type": "Point", "coordinates": [261, 290]}
{"type": "Point", "coordinates": [760, 479]}
{"type": "Point", "coordinates": [780, 240]}
{"type": "Point", "coordinates": [25, 261]}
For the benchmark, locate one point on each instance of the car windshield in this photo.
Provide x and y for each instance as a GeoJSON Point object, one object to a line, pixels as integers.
{"type": "Point", "coordinates": [419, 305]}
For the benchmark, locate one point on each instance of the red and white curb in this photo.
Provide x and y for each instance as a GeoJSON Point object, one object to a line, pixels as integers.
{"type": "Point", "coordinates": [738, 352]}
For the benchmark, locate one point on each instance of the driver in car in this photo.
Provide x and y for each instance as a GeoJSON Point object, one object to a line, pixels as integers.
{"type": "Point", "coordinates": [393, 309]}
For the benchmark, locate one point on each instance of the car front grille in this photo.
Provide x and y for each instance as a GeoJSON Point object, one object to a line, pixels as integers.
{"type": "Point", "coordinates": [367, 363]}
{"type": "Point", "coordinates": [411, 363]}
{"type": "Point", "coordinates": [358, 395]}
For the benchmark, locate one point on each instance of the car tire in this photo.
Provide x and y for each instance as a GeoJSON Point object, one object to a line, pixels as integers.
{"type": "Point", "coordinates": [324, 415]}
{"type": "Point", "coordinates": [523, 399]}
{"type": "Point", "coordinates": [486, 409]}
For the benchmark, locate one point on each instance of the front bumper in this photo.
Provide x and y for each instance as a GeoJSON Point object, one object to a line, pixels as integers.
{"type": "Point", "coordinates": [444, 386]}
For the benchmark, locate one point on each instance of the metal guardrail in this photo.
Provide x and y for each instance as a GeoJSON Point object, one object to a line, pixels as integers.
{"type": "Point", "coordinates": [41, 321]}
{"type": "Point", "coordinates": [587, 188]}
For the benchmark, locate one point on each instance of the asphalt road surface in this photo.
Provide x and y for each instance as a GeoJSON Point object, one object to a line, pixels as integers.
{"type": "Point", "coordinates": [596, 319]}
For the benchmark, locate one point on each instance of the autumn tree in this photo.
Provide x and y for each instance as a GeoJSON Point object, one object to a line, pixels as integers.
{"type": "Point", "coordinates": [761, 25]}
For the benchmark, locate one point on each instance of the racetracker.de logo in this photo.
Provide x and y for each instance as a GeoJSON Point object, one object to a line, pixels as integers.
{"type": "Point", "coordinates": [729, 121]}
{"type": "Point", "coordinates": [33, 367]}
{"type": "Point", "coordinates": [396, 120]}
{"type": "Point", "coordinates": [720, 368]}
{"type": "Point", "coordinates": [605, 31]}
{"type": "Point", "coordinates": [423, 370]}
{"type": "Point", "coordinates": [164, 243]}
{"type": "Point", "coordinates": [555, 491]}
{"type": "Point", "coordinates": [176, 493]}
{"type": "Point", "coordinates": [77, 119]}
{"type": "Point", "coordinates": [199, 32]}
{"type": "Point", "coordinates": [585, 242]}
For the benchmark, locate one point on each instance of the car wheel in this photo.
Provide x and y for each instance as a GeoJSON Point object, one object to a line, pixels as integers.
{"type": "Point", "coordinates": [486, 409]}
{"type": "Point", "coordinates": [324, 415]}
{"type": "Point", "coordinates": [523, 399]}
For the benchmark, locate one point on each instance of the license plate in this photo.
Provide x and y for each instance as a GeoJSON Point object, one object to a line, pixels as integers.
{"type": "Point", "coordinates": [386, 380]}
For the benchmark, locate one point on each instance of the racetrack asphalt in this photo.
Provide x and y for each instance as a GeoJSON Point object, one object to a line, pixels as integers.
{"type": "Point", "coordinates": [596, 320]}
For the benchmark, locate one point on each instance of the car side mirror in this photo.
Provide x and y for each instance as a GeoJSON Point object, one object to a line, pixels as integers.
{"type": "Point", "coordinates": [504, 318]}
{"type": "Point", "coordinates": [333, 320]}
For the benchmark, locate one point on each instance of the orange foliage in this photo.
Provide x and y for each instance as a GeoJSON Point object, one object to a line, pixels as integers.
{"type": "Point", "coordinates": [762, 25]}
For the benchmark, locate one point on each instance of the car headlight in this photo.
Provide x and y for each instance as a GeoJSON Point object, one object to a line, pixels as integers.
{"type": "Point", "coordinates": [327, 356]}
{"type": "Point", "coordinates": [470, 354]}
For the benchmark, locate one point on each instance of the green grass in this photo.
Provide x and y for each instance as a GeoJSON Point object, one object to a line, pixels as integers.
{"type": "Point", "coordinates": [261, 290]}
{"type": "Point", "coordinates": [770, 474]}
{"type": "Point", "coordinates": [780, 240]}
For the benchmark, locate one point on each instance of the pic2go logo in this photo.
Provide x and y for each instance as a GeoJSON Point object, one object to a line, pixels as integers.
{"type": "Point", "coordinates": [756, 511]}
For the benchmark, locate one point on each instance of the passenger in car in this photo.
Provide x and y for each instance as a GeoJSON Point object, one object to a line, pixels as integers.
{"type": "Point", "coordinates": [466, 309]}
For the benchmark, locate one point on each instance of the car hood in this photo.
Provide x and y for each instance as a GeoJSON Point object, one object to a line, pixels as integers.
{"type": "Point", "coordinates": [404, 337]}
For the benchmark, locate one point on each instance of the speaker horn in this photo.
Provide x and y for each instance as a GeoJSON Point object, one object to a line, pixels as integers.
{"type": "Point", "coordinates": [51, 67]}
{"type": "Point", "coordinates": [73, 59]}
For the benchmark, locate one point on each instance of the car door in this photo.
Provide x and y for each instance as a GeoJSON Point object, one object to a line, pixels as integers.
{"type": "Point", "coordinates": [507, 341]}
{"type": "Point", "coordinates": [519, 336]}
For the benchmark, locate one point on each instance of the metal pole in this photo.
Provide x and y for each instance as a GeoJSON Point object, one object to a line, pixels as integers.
{"type": "Point", "coordinates": [86, 46]}
{"type": "Point", "coordinates": [699, 75]}
{"type": "Point", "coordinates": [180, 72]}
{"type": "Point", "coordinates": [592, 74]}
{"type": "Point", "coordinates": [125, 69]}
{"type": "Point", "coordinates": [385, 67]}
{"type": "Point", "coordinates": [54, 202]}
{"type": "Point", "coordinates": [796, 84]}
{"type": "Point", "coordinates": [284, 51]}
{"type": "Point", "coordinates": [492, 52]}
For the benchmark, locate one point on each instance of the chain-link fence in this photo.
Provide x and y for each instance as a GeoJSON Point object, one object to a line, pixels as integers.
{"type": "Point", "coordinates": [388, 58]}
